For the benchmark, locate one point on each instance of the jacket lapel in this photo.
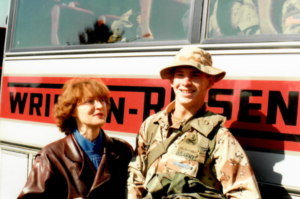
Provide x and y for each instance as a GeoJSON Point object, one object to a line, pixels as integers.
{"type": "Point", "coordinates": [73, 151]}
{"type": "Point", "coordinates": [108, 158]}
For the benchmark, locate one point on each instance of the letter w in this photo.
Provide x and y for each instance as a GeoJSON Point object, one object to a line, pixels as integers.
{"type": "Point", "coordinates": [17, 100]}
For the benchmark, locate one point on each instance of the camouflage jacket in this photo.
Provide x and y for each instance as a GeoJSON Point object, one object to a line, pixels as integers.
{"type": "Point", "coordinates": [223, 172]}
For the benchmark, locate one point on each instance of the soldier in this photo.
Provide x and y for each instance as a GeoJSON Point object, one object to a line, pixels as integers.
{"type": "Point", "coordinates": [185, 151]}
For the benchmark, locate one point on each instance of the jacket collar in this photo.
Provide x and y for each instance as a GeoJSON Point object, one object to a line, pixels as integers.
{"type": "Point", "coordinates": [73, 151]}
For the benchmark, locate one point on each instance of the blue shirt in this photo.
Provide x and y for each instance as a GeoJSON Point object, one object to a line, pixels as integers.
{"type": "Point", "coordinates": [92, 149]}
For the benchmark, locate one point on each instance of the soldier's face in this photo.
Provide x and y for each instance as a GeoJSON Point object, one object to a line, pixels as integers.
{"type": "Point", "coordinates": [190, 86]}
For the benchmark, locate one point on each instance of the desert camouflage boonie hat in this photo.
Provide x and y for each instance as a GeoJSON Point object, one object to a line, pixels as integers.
{"type": "Point", "coordinates": [194, 57]}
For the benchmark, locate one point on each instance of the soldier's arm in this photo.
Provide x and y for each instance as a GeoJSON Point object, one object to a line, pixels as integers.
{"type": "Point", "coordinates": [137, 167]}
{"type": "Point", "coordinates": [233, 169]}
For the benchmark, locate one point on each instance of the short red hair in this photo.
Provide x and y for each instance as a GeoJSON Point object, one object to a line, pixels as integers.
{"type": "Point", "coordinates": [74, 92]}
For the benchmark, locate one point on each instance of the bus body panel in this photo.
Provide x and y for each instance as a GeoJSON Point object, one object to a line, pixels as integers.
{"type": "Point", "coordinates": [280, 154]}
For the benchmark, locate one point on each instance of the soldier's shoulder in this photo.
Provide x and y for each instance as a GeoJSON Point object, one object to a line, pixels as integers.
{"type": "Point", "coordinates": [209, 113]}
{"type": "Point", "coordinates": [214, 118]}
{"type": "Point", "coordinates": [224, 134]}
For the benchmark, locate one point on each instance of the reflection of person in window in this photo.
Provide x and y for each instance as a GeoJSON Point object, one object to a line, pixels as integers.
{"type": "Point", "coordinates": [237, 17]}
{"type": "Point", "coordinates": [146, 11]}
{"type": "Point", "coordinates": [145, 18]}
{"type": "Point", "coordinates": [291, 17]}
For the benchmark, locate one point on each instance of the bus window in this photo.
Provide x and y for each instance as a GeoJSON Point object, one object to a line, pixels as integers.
{"type": "Point", "coordinates": [66, 23]}
{"type": "Point", "coordinates": [245, 18]}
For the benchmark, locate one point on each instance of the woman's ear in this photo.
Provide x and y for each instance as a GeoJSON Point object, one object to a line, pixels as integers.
{"type": "Point", "coordinates": [74, 113]}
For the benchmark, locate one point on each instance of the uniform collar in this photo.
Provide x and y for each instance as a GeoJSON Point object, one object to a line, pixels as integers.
{"type": "Point", "coordinates": [164, 113]}
{"type": "Point", "coordinates": [162, 118]}
{"type": "Point", "coordinates": [203, 121]}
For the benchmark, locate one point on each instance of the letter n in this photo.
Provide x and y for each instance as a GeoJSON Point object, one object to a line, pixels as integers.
{"type": "Point", "coordinates": [288, 112]}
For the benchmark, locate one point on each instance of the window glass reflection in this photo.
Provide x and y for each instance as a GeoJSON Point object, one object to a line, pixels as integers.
{"type": "Point", "coordinates": [240, 18]}
{"type": "Point", "coordinates": [62, 23]}
{"type": "Point", "coordinates": [3, 12]}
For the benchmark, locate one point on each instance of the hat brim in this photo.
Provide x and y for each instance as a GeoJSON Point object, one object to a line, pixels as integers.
{"type": "Point", "coordinates": [166, 72]}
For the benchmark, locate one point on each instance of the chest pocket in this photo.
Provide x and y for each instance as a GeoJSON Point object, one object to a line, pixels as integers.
{"type": "Point", "coordinates": [189, 155]}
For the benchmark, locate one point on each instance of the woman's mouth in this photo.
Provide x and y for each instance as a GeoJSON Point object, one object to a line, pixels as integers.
{"type": "Point", "coordinates": [99, 115]}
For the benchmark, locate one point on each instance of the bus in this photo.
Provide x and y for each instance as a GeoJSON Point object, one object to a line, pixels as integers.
{"type": "Point", "coordinates": [126, 43]}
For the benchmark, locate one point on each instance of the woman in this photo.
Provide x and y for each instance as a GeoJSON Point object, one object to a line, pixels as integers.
{"type": "Point", "coordinates": [86, 163]}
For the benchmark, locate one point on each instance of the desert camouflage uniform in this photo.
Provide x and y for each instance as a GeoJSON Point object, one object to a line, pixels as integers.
{"type": "Point", "coordinates": [226, 172]}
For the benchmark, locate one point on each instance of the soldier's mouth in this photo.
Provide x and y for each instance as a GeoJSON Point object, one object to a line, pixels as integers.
{"type": "Point", "coordinates": [187, 91]}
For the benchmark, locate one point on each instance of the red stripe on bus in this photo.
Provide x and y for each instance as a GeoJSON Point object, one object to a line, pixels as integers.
{"type": "Point", "coordinates": [267, 111]}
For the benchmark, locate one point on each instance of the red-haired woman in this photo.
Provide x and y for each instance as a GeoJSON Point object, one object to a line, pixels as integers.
{"type": "Point", "coordinates": [86, 163]}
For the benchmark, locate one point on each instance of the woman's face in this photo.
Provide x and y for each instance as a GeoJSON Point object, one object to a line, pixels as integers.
{"type": "Point", "coordinates": [91, 113]}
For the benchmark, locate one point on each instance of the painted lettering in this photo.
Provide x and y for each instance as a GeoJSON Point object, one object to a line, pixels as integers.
{"type": "Point", "coordinates": [35, 105]}
{"type": "Point", "coordinates": [56, 98]}
{"type": "Point", "coordinates": [226, 105]}
{"type": "Point", "coordinates": [147, 100]}
{"type": "Point", "coordinates": [18, 100]}
{"type": "Point", "coordinates": [289, 112]}
{"type": "Point", "coordinates": [47, 107]}
{"type": "Point", "coordinates": [117, 112]}
{"type": "Point", "coordinates": [245, 106]}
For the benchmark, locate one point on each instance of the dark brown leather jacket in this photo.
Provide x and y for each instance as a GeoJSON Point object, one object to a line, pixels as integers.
{"type": "Point", "coordinates": [62, 170]}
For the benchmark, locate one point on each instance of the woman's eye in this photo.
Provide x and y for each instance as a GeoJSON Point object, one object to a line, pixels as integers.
{"type": "Point", "coordinates": [88, 101]}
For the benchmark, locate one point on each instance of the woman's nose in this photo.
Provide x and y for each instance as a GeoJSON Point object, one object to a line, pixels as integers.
{"type": "Point", "coordinates": [98, 104]}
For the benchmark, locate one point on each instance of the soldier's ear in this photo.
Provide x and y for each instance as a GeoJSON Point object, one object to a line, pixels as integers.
{"type": "Point", "coordinates": [211, 80]}
{"type": "Point", "coordinates": [172, 80]}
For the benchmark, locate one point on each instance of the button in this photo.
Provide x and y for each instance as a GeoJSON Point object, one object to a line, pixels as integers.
{"type": "Point", "coordinates": [166, 127]}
